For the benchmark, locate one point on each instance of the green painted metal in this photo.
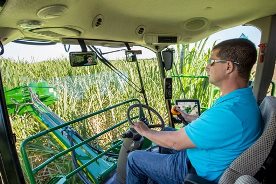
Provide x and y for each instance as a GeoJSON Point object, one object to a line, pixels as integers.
{"type": "Point", "coordinates": [48, 161]}
{"type": "Point", "coordinates": [18, 99]}
{"type": "Point", "coordinates": [93, 160]}
{"type": "Point", "coordinates": [58, 180]}
{"type": "Point", "coordinates": [31, 172]}
{"type": "Point", "coordinates": [96, 171]}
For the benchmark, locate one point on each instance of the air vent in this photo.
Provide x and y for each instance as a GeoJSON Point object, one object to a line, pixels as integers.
{"type": "Point", "coordinates": [167, 39]}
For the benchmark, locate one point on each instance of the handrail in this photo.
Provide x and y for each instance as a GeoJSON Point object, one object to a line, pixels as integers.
{"type": "Point", "coordinates": [90, 161]}
{"type": "Point", "coordinates": [48, 161]}
{"type": "Point", "coordinates": [31, 172]}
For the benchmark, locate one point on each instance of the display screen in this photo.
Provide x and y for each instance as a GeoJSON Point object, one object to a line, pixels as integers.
{"type": "Point", "coordinates": [189, 106]}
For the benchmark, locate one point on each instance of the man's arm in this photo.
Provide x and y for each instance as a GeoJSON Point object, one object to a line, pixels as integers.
{"type": "Point", "coordinates": [177, 140]}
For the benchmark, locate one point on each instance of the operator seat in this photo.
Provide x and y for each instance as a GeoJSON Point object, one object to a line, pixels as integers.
{"type": "Point", "coordinates": [243, 168]}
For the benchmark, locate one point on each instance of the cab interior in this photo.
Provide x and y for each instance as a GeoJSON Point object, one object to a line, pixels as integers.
{"type": "Point", "coordinates": [123, 24]}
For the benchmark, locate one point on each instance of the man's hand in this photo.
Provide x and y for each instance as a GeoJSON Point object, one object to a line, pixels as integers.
{"type": "Point", "coordinates": [141, 127]}
{"type": "Point", "coordinates": [177, 109]}
{"type": "Point", "coordinates": [185, 115]}
{"type": "Point", "coordinates": [170, 139]}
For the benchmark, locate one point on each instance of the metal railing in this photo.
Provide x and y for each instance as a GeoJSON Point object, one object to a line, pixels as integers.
{"type": "Point", "coordinates": [32, 171]}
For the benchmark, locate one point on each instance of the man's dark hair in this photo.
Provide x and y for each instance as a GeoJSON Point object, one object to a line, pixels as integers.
{"type": "Point", "coordinates": [239, 50]}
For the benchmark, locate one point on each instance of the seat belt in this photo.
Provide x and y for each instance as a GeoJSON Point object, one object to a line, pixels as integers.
{"type": "Point", "coordinates": [267, 165]}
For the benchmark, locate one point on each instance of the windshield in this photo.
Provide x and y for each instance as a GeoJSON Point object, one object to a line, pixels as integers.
{"type": "Point", "coordinates": [73, 92]}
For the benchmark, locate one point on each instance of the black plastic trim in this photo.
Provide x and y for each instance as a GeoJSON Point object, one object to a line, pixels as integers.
{"type": "Point", "coordinates": [167, 39]}
{"type": "Point", "coordinates": [9, 163]}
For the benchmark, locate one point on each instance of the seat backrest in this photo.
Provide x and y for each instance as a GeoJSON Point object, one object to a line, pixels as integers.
{"type": "Point", "coordinates": [250, 161]}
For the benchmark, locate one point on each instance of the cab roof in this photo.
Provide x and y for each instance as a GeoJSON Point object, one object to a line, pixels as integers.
{"type": "Point", "coordinates": [143, 22]}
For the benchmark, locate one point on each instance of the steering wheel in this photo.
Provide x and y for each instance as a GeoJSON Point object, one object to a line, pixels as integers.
{"type": "Point", "coordinates": [132, 140]}
{"type": "Point", "coordinates": [142, 115]}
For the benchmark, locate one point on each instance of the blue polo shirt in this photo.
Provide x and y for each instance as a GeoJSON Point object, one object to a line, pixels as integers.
{"type": "Point", "coordinates": [223, 132]}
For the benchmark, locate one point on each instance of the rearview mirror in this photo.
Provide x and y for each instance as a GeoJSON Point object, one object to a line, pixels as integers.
{"type": "Point", "coordinates": [82, 58]}
{"type": "Point", "coordinates": [167, 56]}
{"type": "Point", "coordinates": [131, 55]}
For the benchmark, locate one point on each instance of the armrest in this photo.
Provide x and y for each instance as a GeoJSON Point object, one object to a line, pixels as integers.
{"type": "Point", "coordinates": [194, 179]}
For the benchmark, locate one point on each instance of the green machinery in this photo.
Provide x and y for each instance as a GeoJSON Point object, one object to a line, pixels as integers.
{"type": "Point", "coordinates": [93, 164]}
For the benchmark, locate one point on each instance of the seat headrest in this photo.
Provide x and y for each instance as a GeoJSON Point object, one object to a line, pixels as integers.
{"type": "Point", "coordinates": [268, 107]}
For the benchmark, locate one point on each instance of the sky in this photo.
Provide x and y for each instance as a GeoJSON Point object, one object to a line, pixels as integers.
{"type": "Point", "coordinates": [40, 53]}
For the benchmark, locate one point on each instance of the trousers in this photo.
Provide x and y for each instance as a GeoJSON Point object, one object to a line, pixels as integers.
{"type": "Point", "coordinates": [168, 168]}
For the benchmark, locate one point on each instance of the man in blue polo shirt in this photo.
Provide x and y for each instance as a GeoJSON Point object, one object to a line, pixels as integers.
{"type": "Point", "coordinates": [213, 140]}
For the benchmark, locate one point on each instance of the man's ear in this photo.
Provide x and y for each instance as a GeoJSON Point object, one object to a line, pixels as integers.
{"type": "Point", "coordinates": [230, 67]}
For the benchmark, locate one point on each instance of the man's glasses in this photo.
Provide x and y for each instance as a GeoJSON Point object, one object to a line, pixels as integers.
{"type": "Point", "coordinates": [211, 62]}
